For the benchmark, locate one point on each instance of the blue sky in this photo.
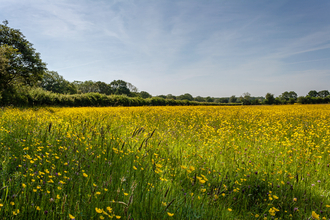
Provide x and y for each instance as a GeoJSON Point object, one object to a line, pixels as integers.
{"type": "Point", "coordinates": [206, 48]}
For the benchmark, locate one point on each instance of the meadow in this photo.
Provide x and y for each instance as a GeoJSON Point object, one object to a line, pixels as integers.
{"type": "Point", "coordinates": [180, 162]}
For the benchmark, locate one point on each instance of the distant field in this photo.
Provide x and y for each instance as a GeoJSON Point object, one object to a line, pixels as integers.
{"type": "Point", "coordinates": [191, 162]}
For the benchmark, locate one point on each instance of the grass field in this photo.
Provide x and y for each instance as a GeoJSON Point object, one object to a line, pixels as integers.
{"type": "Point", "coordinates": [244, 162]}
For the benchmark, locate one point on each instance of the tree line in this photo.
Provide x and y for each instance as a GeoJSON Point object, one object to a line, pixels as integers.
{"type": "Point", "coordinates": [26, 81]}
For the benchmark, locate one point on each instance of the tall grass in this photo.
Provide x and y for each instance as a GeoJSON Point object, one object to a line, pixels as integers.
{"type": "Point", "coordinates": [165, 162]}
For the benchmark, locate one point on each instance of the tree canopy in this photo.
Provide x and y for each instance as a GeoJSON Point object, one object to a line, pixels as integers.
{"type": "Point", "coordinates": [19, 61]}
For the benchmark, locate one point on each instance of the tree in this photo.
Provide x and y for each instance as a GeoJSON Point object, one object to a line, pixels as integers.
{"type": "Point", "coordinates": [209, 99]}
{"type": "Point", "coordinates": [119, 87]}
{"type": "Point", "coordinates": [232, 99]}
{"type": "Point", "coordinates": [199, 99]}
{"type": "Point", "coordinates": [246, 98]}
{"type": "Point", "coordinates": [22, 63]}
{"type": "Point", "coordinates": [270, 99]}
{"type": "Point", "coordinates": [186, 96]}
{"type": "Point", "coordinates": [289, 95]}
{"type": "Point", "coordinates": [313, 93]}
{"type": "Point", "coordinates": [170, 96]}
{"type": "Point", "coordinates": [103, 88]}
{"type": "Point", "coordinates": [144, 95]}
{"type": "Point", "coordinates": [323, 93]}
{"type": "Point", "coordinates": [54, 82]}
{"type": "Point", "coordinates": [87, 86]}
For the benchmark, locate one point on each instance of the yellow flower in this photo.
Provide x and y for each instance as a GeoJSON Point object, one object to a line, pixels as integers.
{"type": "Point", "coordinates": [38, 208]}
{"type": "Point", "coordinates": [134, 167]}
{"type": "Point", "coordinates": [201, 181]}
{"type": "Point", "coordinates": [275, 197]}
{"type": "Point", "coordinates": [58, 197]}
{"type": "Point", "coordinates": [98, 210]}
{"type": "Point", "coordinates": [315, 216]}
{"type": "Point", "coordinates": [97, 193]}
{"type": "Point", "coordinates": [203, 190]}
{"type": "Point", "coordinates": [256, 215]}
{"type": "Point", "coordinates": [170, 214]}
{"type": "Point", "coordinates": [126, 194]}
{"type": "Point", "coordinates": [109, 209]}
{"type": "Point", "coordinates": [101, 217]}
{"type": "Point", "coordinates": [118, 217]}
{"type": "Point", "coordinates": [327, 206]}
{"type": "Point", "coordinates": [1, 205]}
{"type": "Point", "coordinates": [85, 175]}
{"type": "Point", "coordinates": [229, 209]}
{"type": "Point", "coordinates": [71, 216]}
{"type": "Point", "coordinates": [23, 185]}
{"type": "Point", "coordinates": [12, 203]}
{"type": "Point", "coordinates": [164, 204]}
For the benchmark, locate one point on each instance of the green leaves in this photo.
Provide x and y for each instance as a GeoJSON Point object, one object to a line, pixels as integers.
{"type": "Point", "coordinates": [19, 63]}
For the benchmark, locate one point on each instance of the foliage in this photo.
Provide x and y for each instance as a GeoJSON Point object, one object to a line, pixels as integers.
{"type": "Point", "coordinates": [270, 99]}
{"type": "Point", "coordinates": [313, 93]}
{"type": "Point", "coordinates": [144, 95]}
{"type": "Point", "coordinates": [54, 82]}
{"type": "Point", "coordinates": [232, 99]}
{"type": "Point", "coordinates": [186, 96]}
{"type": "Point", "coordinates": [289, 95]}
{"type": "Point", "coordinates": [23, 63]}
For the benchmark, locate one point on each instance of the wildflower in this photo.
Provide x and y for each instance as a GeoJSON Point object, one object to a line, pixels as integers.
{"type": "Point", "coordinates": [134, 167]}
{"type": "Point", "coordinates": [38, 208]}
{"type": "Point", "coordinates": [315, 216]}
{"type": "Point", "coordinates": [164, 204]}
{"type": "Point", "coordinates": [170, 214]}
{"type": "Point", "coordinates": [12, 203]}
{"type": "Point", "coordinates": [109, 209]}
{"type": "Point", "coordinates": [256, 215]}
{"type": "Point", "coordinates": [295, 199]}
{"type": "Point", "coordinates": [23, 185]}
{"type": "Point", "coordinates": [71, 216]}
{"type": "Point", "coordinates": [125, 194]}
{"type": "Point", "coordinates": [101, 217]}
{"type": "Point", "coordinates": [118, 217]}
{"type": "Point", "coordinates": [229, 209]}
{"type": "Point", "coordinates": [98, 210]}
{"type": "Point", "coordinates": [85, 175]}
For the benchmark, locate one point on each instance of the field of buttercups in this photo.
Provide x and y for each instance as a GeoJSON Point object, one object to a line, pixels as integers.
{"type": "Point", "coordinates": [189, 162]}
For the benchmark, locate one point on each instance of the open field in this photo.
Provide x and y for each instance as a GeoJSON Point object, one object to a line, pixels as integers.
{"type": "Point", "coordinates": [235, 162]}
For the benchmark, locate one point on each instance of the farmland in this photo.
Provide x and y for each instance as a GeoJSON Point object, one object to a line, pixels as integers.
{"type": "Point", "coordinates": [188, 162]}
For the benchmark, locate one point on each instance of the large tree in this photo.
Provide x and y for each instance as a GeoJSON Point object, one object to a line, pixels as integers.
{"type": "Point", "coordinates": [313, 93]}
{"type": "Point", "coordinates": [270, 99]}
{"type": "Point", "coordinates": [120, 87]}
{"type": "Point", "coordinates": [323, 93]}
{"type": "Point", "coordinates": [20, 62]}
{"type": "Point", "coordinates": [54, 82]}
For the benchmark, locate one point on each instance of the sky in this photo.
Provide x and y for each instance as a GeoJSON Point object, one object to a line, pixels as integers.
{"type": "Point", "coordinates": [205, 48]}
